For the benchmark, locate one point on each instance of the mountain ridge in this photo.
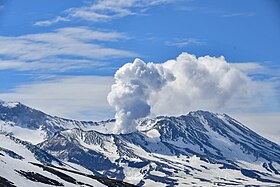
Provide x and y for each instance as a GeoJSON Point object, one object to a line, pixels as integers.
{"type": "Point", "coordinates": [199, 148]}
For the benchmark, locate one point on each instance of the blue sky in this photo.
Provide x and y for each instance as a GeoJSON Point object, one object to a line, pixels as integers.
{"type": "Point", "coordinates": [48, 45]}
{"type": "Point", "coordinates": [240, 31]}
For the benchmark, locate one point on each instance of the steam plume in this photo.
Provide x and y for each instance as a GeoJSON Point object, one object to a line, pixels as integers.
{"type": "Point", "coordinates": [135, 82]}
{"type": "Point", "coordinates": [173, 87]}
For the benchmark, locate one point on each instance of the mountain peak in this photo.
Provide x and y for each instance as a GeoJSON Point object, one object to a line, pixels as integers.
{"type": "Point", "coordinates": [168, 150]}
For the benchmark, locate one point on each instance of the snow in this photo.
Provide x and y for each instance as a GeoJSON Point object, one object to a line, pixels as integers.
{"type": "Point", "coordinates": [149, 182]}
{"type": "Point", "coordinates": [10, 104]}
{"type": "Point", "coordinates": [110, 150]}
{"type": "Point", "coordinates": [181, 144]}
{"type": "Point", "coordinates": [8, 165]}
{"type": "Point", "coordinates": [133, 175]}
{"type": "Point", "coordinates": [158, 173]}
{"type": "Point", "coordinates": [153, 133]}
{"type": "Point", "coordinates": [33, 136]}
{"type": "Point", "coordinates": [83, 179]}
{"type": "Point", "coordinates": [160, 156]}
{"type": "Point", "coordinates": [7, 143]}
{"type": "Point", "coordinates": [103, 127]}
{"type": "Point", "coordinates": [166, 157]}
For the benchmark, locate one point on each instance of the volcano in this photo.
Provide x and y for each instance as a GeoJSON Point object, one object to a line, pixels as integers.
{"type": "Point", "coordinates": [199, 148]}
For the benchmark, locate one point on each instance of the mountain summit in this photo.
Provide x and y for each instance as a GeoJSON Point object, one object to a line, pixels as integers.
{"type": "Point", "coordinates": [200, 148]}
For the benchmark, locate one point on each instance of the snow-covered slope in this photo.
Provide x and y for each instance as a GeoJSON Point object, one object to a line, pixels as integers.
{"type": "Point", "coordinates": [21, 121]}
{"type": "Point", "coordinates": [24, 164]}
{"type": "Point", "coordinates": [197, 149]}
{"type": "Point", "coordinates": [17, 168]}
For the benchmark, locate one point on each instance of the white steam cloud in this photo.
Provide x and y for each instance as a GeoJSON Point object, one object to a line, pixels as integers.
{"type": "Point", "coordinates": [135, 82]}
{"type": "Point", "coordinates": [206, 83]}
{"type": "Point", "coordinates": [173, 88]}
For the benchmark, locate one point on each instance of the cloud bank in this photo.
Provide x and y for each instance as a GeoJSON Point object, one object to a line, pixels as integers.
{"type": "Point", "coordinates": [175, 87]}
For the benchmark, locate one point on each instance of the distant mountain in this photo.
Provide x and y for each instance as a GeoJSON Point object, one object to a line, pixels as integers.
{"type": "Point", "coordinates": [200, 148]}
{"type": "Point", "coordinates": [21, 121]}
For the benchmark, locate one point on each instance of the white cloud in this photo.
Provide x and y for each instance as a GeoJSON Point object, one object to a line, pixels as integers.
{"type": "Point", "coordinates": [207, 83]}
{"type": "Point", "coordinates": [53, 65]}
{"type": "Point", "coordinates": [58, 49]}
{"type": "Point", "coordinates": [180, 43]}
{"type": "Point", "coordinates": [266, 69]}
{"type": "Point", "coordinates": [249, 67]}
{"type": "Point", "coordinates": [81, 98]}
{"type": "Point", "coordinates": [104, 10]}
{"type": "Point", "coordinates": [238, 14]}
{"type": "Point", "coordinates": [50, 22]}
{"type": "Point", "coordinates": [135, 82]}
{"type": "Point", "coordinates": [264, 123]}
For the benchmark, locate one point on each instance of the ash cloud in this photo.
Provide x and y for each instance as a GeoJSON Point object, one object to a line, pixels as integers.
{"type": "Point", "coordinates": [174, 87]}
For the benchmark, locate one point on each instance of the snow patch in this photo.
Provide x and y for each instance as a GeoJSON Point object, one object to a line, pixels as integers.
{"type": "Point", "coordinates": [153, 133]}
{"type": "Point", "coordinates": [10, 104]}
